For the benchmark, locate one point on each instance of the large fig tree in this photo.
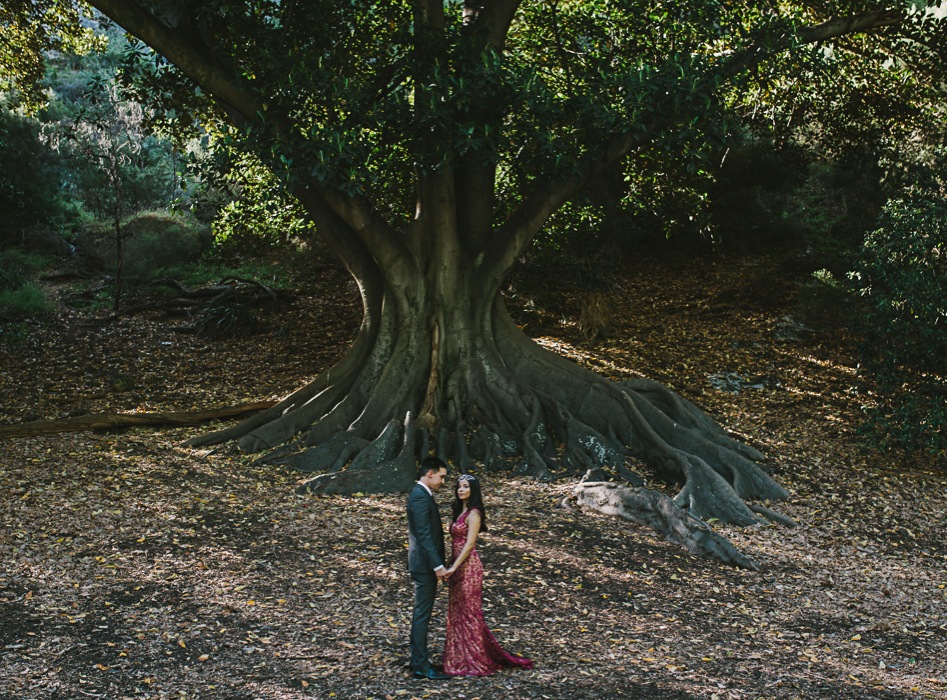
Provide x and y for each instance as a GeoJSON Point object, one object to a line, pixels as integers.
{"type": "Point", "coordinates": [429, 142]}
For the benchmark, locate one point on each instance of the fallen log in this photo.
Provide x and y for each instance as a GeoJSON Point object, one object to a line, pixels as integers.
{"type": "Point", "coordinates": [97, 421]}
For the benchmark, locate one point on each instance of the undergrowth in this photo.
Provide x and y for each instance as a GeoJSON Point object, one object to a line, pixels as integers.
{"type": "Point", "coordinates": [18, 294]}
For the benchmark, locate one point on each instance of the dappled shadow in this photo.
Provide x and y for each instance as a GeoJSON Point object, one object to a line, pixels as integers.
{"type": "Point", "coordinates": [131, 568]}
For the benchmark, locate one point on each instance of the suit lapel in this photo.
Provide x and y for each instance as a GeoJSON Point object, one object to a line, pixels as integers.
{"type": "Point", "coordinates": [435, 511]}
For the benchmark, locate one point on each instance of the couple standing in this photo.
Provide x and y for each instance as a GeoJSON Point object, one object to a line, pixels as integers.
{"type": "Point", "coordinates": [470, 649]}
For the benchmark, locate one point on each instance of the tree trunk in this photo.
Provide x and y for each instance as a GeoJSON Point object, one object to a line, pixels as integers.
{"type": "Point", "coordinates": [117, 221]}
{"type": "Point", "coordinates": [439, 365]}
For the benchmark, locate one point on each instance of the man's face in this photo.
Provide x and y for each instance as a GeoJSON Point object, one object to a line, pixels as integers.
{"type": "Point", "coordinates": [436, 479]}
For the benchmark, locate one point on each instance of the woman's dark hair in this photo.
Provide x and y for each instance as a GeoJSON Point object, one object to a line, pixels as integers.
{"type": "Point", "coordinates": [474, 500]}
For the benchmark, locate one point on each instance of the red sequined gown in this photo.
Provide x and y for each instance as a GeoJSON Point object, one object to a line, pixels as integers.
{"type": "Point", "coordinates": [470, 649]}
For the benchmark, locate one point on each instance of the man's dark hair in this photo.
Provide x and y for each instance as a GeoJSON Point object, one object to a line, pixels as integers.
{"type": "Point", "coordinates": [430, 464]}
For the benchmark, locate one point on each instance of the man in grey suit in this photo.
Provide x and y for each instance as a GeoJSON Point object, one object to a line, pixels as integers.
{"type": "Point", "coordinates": [425, 559]}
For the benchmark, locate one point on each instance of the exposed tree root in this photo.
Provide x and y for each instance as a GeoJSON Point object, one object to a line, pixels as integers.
{"type": "Point", "coordinates": [492, 399]}
{"type": "Point", "coordinates": [376, 468]}
{"type": "Point", "coordinates": [332, 455]}
{"type": "Point", "coordinates": [774, 516]}
{"type": "Point", "coordinates": [99, 421]}
{"type": "Point", "coordinates": [661, 514]}
{"type": "Point", "coordinates": [238, 290]}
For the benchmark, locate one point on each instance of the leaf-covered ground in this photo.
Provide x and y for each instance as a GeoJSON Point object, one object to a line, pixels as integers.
{"type": "Point", "coordinates": [130, 568]}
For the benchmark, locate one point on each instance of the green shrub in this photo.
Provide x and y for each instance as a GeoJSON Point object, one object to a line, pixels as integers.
{"type": "Point", "coordinates": [27, 299]}
{"type": "Point", "coordinates": [151, 251]}
{"type": "Point", "coordinates": [902, 276]}
{"type": "Point", "coordinates": [153, 242]}
{"type": "Point", "coordinates": [16, 267]}
{"type": "Point", "coordinates": [31, 176]}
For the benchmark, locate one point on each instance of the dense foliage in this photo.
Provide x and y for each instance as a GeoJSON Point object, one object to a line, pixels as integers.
{"type": "Point", "coordinates": [30, 177]}
{"type": "Point", "coordinates": [902, 276]}
{"type": "Point", "coordinates": [17, 290]}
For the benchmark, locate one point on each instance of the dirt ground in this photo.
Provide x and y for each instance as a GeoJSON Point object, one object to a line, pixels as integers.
{"type": "Point", "coordinates": [132, 568]}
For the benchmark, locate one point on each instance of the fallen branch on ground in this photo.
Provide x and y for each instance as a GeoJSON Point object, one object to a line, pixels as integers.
{"type": "Point", "coordinates": [69, 276]}
{"type": "Point", "coordinates": [235, 289]}
{"type": "Point", "coordinates": [125, 420]}
{"type": "Point", "coordinates": [660, 513]}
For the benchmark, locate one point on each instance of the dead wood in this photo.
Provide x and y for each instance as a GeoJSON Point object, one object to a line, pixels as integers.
{"type": "Point", "coordinates": [68, 276]}
{"type": "Point", "coordinates": [125, 420]}
{"type": "Point", "coordinates": [251, 283]}
{"type": "Point", "coordinates": [193, 300]}
{"type": "Point", "coordinates": [660, 513]}
{"type": "Point", "coordinates": [169, 306]}
{"type": "Point", "coordinates": [201, 293]}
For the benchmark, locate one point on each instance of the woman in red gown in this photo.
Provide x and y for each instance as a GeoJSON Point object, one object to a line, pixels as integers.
{"type": "Point", "coordinates": [470, 649]}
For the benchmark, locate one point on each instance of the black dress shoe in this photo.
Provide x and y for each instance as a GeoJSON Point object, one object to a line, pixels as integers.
{"type": "Point", "coordinates": [430, 675]}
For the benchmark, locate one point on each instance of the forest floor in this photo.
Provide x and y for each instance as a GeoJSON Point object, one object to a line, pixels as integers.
{"type": "Point", "coordinates": [133, 568]}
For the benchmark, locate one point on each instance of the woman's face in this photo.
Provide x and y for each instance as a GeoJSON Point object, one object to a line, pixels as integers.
{"type": "Point", "coordinates": [463, 490]}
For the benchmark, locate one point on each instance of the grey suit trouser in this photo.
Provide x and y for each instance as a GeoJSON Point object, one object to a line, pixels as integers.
{"type": "Point", "coordinates": [425, 587]}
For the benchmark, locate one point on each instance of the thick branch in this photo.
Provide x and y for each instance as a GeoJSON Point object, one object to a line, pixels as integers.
{"type": "Point", "coordinates": [491, 16]}
{"type": "Point", "coordinates": [474, 185]}
{"type": "Point", "coordinates": [509, 241]}
{"type": "Point", "coordinates": [839, 26]}
{"type": "Point", "coordinates": [195, 62]}
{"type": "Point", "coordinates": [192, 59]}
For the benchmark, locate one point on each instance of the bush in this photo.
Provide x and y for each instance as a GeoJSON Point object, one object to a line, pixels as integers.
{"type": "Point", "coordinates": [153, 242]}
{"type": "Point", "coordinates": [151, 251]}
{"type": "Point", "coordinates": [824, 301]}
{"type": "Point", "coordinates": [31, 177]}
{"type": "Point", "coordinates": [28, 299]}
{"type": "Point", "coordinates": [902, 276]}
{"type": "Point", "coordinates": [17, 294]}
{"type": "Point", "coordinates": [16, 268]}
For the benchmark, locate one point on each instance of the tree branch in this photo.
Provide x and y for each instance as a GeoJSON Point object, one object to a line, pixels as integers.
{"type": "Point", "coordinates": [364, 221]}
{"type": "Point", "coordinates": [192, 59]}
{"type": "Point", "coordinates": [840, 26]}
{"type": "Point", "coordinates": [833, 28]}
{"type": "Point", "coordinates": [195, 62]}
{"type": "Point", "coordinates": [495, 16]}
{"type": "Point", "coordinates": [511, 238]}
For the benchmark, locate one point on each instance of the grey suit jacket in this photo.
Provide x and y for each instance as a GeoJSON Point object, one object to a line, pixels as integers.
{"type": "Point", "coordinates": [425, 532]}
